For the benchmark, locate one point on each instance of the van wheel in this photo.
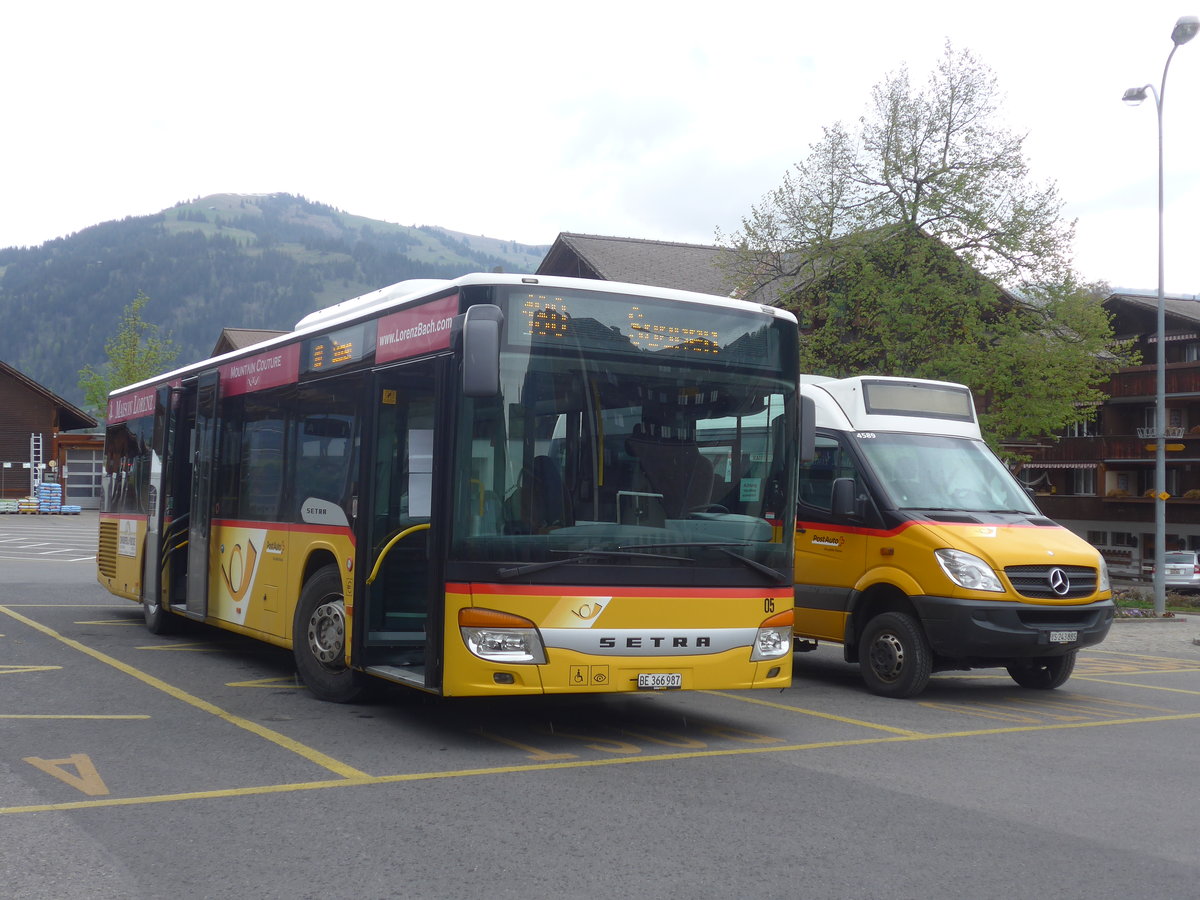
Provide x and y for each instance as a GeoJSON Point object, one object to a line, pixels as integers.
{"type": "Point", "coordinates": [319, 635]}
{"type": "Point", "coordinates": [894, 656]}
{"type": "Point", "coordinates": [1044, 674]}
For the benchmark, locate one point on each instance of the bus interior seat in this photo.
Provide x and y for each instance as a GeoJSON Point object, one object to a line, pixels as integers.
{"type": "Point", "coordinates": [549, 503]}
{"type": "Point", "coordinates": [678, 471]}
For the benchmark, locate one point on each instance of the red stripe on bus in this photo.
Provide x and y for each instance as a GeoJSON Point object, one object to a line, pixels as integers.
{"type": "Point", "coordinates": [538, 590]}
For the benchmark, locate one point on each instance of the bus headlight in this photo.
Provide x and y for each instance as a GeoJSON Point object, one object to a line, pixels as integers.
{"type": "Point", "coordinates": [774, 637]}
{"type": "Point", "coordinates": [501, 637]}
{"type": "Point", "coordinates": [968, 571]}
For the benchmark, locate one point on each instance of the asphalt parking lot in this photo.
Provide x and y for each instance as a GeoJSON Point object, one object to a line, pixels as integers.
{"type": "Point", "coordinates": [193, 765]}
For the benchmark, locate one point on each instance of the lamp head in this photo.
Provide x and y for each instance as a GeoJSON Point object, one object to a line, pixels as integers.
{"type": "Point", "coordinates": [1185, 29]}
{"type": "Point", "coordinates": [1134, 96]}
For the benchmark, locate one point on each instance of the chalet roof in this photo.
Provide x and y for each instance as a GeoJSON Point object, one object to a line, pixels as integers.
{"type": "Point", "coordinates": [237, 338]}
{"type": "Point", "coordinates": [70, 417]}
{"type": "Point", "coordinates": [691, 267]}
{"type": "Point", "coordinates": [1182, 307]}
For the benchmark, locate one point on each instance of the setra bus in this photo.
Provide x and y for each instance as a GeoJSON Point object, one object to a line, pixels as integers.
{"type": "Point", "coordinates": [484, 486]}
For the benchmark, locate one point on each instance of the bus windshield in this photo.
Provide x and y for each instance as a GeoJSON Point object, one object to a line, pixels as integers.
{"type": "Point", "coordinates": [937, 472]}
{"type": "Point", "coordinates": [627, 437]}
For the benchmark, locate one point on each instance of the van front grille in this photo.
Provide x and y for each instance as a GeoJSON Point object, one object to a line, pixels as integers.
{"type": "Point", "coordinates": [1052, 582]}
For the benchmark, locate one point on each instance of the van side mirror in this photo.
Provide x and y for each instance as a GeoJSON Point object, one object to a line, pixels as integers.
{"type": "Point", "coordinates": [844, 501]}
{"type": "Point", "coordinates": [481, 350]}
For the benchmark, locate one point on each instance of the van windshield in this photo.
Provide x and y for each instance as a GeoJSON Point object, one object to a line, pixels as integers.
{"type": "Point", "coordinates": [932, 471]}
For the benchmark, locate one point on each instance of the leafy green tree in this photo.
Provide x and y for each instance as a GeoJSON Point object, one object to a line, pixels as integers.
{"type": "Point", "coordinates": [135, 352]}
{"type": "Point", "coordinates": [919, 245]}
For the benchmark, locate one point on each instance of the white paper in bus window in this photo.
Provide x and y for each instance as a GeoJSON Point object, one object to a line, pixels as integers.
{"type": "Point", "coordinates": [750, 490]}
{"type": "Point", "coordinates": [420, 472]}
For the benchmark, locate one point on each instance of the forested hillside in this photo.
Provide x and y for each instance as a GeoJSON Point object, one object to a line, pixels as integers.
{"type": "Point", "coordinates": [241, 261]}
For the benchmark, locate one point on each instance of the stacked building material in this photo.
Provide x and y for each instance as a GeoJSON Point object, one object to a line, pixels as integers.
{"type": "Point", "coordinates": [49, 497]}
{"type": "Point", "coordinates": [8, 506]}
{"type": "Point", "coordinates": [27, 505]}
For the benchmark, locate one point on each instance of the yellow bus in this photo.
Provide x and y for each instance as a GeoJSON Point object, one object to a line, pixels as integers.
{"type": "Point", "coordinates": [918, 551]}
{"type": "Point", "coordinates": [484, 486]}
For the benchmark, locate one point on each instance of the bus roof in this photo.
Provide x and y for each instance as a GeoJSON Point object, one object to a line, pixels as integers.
{"type": "Point", "coordinates": [414, 290]}
{"type": "Point", "coordinates": [885, 403]}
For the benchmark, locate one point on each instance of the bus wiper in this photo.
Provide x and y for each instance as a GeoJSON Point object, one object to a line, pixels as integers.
{"type": "Point", "coordinates": [724, 547]}
{"type": "Point", "coordinates": [583, 556]}
{"type": "Point", "coordinates": [754, 564]}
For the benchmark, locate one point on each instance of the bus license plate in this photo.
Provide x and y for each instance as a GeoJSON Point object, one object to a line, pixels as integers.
{"type": "Point", "coordinates": [1064, 637]}
{"type": "Point", "coordinates": [659, 681]}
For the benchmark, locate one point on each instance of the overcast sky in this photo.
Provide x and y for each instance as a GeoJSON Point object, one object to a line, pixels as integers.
{"type": "Point", "coordinates": [520, 120]}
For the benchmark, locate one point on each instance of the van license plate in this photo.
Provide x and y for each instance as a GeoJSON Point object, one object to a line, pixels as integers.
{"type": "Point", "coordinates": [1064, 637]}
{"type": "Point", "coordinates": [659, 681]}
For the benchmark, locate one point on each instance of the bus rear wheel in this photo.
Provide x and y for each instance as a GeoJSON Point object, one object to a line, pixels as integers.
{"type": "Point", "coordinates": [1044, 674]}
{"type": "Point", "coordinates": [319, 635]}
{"type": "Point", "coordinates": [894, 656]}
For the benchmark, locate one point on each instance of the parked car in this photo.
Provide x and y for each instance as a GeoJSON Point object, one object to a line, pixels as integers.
{"type": "Point", "coordinates": [1181, 570]}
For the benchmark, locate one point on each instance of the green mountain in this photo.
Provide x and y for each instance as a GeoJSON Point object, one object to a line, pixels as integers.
{"type": "Point", "coordinates": [229, 260]}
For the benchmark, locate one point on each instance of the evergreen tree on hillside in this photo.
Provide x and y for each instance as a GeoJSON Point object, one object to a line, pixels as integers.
{"type": "Point", "coordinates": [136, 352]}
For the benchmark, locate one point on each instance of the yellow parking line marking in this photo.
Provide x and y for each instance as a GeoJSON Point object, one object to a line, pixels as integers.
{"type": "Point", "coordinates": [812, 712]}
{"type": "Point", "coordinates": [280, 740]}
{"type": "Point", "coordinates": [1148, 687]}
{"type": "Point", "coordinates": [201, 647]}
{"type": "Point", "coordinates": [110, 622]}
{"type": "Point", "coordinates": [367, 780]}
{"type": "Point", "coordinates": [284, 681]}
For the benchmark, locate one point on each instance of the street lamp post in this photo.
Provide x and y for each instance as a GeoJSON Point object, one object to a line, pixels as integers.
{"type": "Point", "coordinates": [1185, 29]}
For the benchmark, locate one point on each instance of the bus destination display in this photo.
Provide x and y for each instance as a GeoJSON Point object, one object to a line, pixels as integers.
{"type": "Point", "coordinates": [338, 348]}
{"type": "Point", "coordinates": [644, 326]}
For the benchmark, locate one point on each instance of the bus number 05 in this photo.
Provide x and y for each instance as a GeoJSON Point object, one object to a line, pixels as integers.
{"type": "Point", "coordinates": [769, 604]}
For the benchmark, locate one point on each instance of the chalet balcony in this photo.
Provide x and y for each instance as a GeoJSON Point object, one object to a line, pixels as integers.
{"type": "Point", "coordinates": [1139, 382]}
{"type": "Point", "coordinates": [1132, 447]}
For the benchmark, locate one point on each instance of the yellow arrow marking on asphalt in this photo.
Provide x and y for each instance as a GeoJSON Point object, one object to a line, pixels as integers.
{"type": "Point", "coordinates": [85, 777]}
{"type": "Point", "coordinates": [23, 670]}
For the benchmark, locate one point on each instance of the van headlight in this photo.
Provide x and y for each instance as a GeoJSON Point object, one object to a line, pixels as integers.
{"type": "Point", "coordinates": [1102, 582]}
{"type": "Point", "coordinates": [968, 571]}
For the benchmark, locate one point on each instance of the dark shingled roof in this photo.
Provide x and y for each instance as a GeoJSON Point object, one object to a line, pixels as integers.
{"type": "Point", "coordinates": [237, 338]}
{"type": "Point", "coordinates": [70, 417]}
{"type": "Point", "coordinates": [689, 267]}
{"type": "Point", "coordinates": [1185, 307]}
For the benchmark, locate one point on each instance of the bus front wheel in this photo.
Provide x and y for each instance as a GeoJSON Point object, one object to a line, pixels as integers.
{"type": "Point", "coordinates": [319, 635]}
{"type": "Point", "coordinates": [158, 620]}
{"type": "Point", "coordinates": [894, 656]}
{"type": "Point", "coordinates": [1044, 674]}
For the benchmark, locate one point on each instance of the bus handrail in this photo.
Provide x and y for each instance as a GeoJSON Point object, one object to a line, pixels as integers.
{"type": "Point", "coordinates": [424, 526]}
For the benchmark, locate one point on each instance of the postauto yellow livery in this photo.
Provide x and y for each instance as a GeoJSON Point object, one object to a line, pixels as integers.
{"type": "Point", "coordinates": [918, 551]}
{"type": "Point", "coordinates": [495, 485]}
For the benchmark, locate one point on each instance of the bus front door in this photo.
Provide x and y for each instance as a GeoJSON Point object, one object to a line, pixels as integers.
{"type": "Point", "coordinates": [401, 624]}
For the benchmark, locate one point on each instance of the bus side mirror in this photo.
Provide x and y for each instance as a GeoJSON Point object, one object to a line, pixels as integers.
{"type": "Point", "coordinates": [481, 350]}
{"type": "Point", "coordinates": [808, 429]}
{"type": "Point", "coordinates": [844, 503]}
